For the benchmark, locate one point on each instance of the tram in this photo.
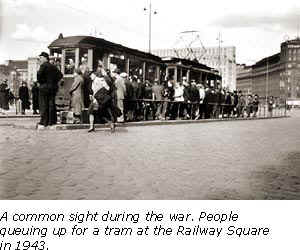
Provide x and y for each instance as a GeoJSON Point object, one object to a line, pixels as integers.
{"type": "Point", "coordinates": [177, 68]}
{"type": "Point", "coordinates": [70, 52]}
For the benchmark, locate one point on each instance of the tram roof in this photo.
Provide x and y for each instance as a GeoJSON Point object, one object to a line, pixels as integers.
{"type": "Point", "coordinates": [186, 62]}
{"type": "Point", "coordinates": [89, 42]}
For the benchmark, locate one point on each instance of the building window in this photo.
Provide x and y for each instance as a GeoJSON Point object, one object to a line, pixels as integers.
{"type": "Point", "coordinates": [289, 65]}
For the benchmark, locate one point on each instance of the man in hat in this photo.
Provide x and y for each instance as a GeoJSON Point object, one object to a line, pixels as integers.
{"type": "Point", "coordinates": [48, 77]}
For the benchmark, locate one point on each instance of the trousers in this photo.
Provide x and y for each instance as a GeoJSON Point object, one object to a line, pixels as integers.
{"type": "Point", "coordinates": [47, 109]}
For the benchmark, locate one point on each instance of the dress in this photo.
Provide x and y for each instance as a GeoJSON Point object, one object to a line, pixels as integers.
{"type": "Point", "coordinates": [76, 93]}
{"type": "Point", "coordinates": [24, 96]}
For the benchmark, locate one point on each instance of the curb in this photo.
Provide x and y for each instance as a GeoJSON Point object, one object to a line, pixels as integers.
{"type": "Point", "coordinates": [63, 127]}
{"type": "Point", "coordinates": [19, 116]}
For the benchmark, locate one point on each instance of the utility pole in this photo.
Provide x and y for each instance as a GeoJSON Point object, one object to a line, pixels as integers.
{"type": "Point", "coordinates": [267, 80]}
{"type": "Point", "coordinates": [150, 23]}
{"type": "Point", "coordinates": [219, 57]}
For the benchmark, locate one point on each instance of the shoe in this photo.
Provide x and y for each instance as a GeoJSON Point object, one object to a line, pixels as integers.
{"type": "Point", "coordinates": [40, 127]}
{"type": "Point", "coordinates": [112, 127]}
{"type": "Point", "coordinates": [91, 130]}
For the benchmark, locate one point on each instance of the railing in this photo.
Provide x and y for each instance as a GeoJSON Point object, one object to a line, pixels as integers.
{"type": "Point", "coordinates": [147, 109]}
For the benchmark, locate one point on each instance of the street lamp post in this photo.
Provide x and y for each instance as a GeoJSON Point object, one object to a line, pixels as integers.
{"type": "Point", "coordinates": [150, 24]}
{"type": "Point", "coordinates": [219, 57]}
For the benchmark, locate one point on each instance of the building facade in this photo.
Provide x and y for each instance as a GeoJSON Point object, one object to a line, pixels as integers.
{"type": "Point", "coordinates": [15, 71]}
{"type": "Point", "coordinates": [221, 58]}
{"type": "Point", "coordinates": [277, 75]}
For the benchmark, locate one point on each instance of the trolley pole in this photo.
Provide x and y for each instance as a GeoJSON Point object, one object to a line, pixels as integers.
{"type": "Point", "coordinates": [150, 14]}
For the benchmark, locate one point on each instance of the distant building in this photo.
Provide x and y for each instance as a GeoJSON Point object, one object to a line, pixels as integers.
{"type": "Point", "coordinates": [33, 67]}
{"type": "Point", "coordinates": [222, 59]}
{"type": "Point", "coordinates": [16, 72]}
{"type": "Point", "coordinates": [277, 75]}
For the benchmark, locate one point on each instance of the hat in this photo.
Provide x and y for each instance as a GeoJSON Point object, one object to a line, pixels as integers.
{"type": "Point", "coordinates": [124, 75]}
{"type": "Point", "coordinates": [45, 54]}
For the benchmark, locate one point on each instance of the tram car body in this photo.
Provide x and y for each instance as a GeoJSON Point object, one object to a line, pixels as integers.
{"type": "Point", "coordinates": [68, 53]}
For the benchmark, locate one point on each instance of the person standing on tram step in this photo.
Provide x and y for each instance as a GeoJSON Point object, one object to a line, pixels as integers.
{"type": "Point", "coordinates": [121, 92]}
{"type": "Point", "coordinates": [48, 77]}
{"type": "Point", "coordinates": [35, 98]}
{"type": "Point", "coordinates": [76, 93]}
{"type": "Point", "coordinates": [24, 97]}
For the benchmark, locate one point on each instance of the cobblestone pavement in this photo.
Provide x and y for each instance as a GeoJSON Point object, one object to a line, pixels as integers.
{"type": "Point", "coordinates": [257, 159]}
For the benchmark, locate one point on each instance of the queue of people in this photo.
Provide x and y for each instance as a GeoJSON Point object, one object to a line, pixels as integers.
{"type": "Point", "coordinates": [117, 97]}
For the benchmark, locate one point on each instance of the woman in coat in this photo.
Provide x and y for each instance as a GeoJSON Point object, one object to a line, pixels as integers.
{"type": "Point", "coordinates": [101, 102]}
{"type": "Point", "coordinates": [76, 93]}
{"type": "Point", "coordinates": [4, 98]}
{"type": "Point", "coordinates": [24, 96]}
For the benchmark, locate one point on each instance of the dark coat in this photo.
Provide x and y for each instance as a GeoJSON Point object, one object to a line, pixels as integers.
{"type": "Point", "coordinates": [136, 90]}
{"type": "Point", "coordinates": [48, 76]}
{"type": "Point", "coordinates": [4, 96]}
{"type": "Point", "coordinates": [86, 88]}
{"type": "Point", "coordinates": [35, 97]}
{"type": "Point", "coordinates": [148, 92]}
{"type": "Point", "coordinates": [187, 93]}
{"type": "Point", "coordinates": [195, 96]}
{"type": "Point", "coordinates": [24, 96]}
{"type": "Point", "coordinates": [129, 90]}
{"type": "Point", "coordinates": [168, 93]}
{"type": "Point", "coordinates": [255, 104]}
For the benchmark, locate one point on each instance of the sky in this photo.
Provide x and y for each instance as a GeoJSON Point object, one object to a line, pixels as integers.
{"type": "Point", "coordinates": [255, 28]}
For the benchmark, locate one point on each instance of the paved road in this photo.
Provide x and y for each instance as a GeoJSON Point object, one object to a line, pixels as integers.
{"type": "Point", "coordinates": [257, 159]}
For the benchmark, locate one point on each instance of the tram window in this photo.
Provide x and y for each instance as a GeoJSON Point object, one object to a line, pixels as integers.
{"type": "Point", "coordinates": [56, 60]}
{"type": "Point", "coordinates": [136, 68]}
{"type": "Point", "coordinates": [171, 73]}
{"type": "Point", "coordinates": [83, 55]}
{"type": "Point", "coordinates": [118, 62]}
{"type": "Point", "coordinates": [150, 72]}
{"type": "Point", "coordinates": [184, 73]}
{"type": "Point", "coordinates": [70, 62]}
